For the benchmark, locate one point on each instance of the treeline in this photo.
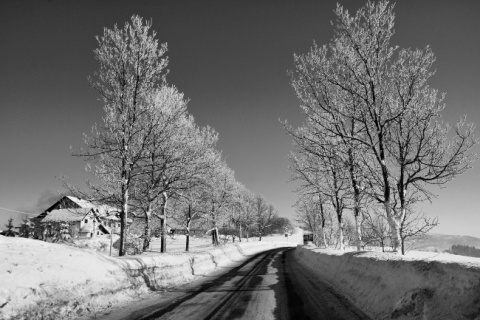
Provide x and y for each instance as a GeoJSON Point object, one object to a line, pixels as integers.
{"type": "Point", "coordinates": [462, 250]}
{"type": "Point", "coordinates": [373, 139]}
{"type": "Point", "coordinates": [149, 158]}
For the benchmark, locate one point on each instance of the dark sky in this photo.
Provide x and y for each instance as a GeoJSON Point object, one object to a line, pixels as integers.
{"type": "Point", "coordinates": [230, 58]}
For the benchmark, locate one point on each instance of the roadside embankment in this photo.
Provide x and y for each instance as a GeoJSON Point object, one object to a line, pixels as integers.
{"type": "Point", "coordinates": [40, 280]}
{"type": "Point", "coordinates": [420, 285]}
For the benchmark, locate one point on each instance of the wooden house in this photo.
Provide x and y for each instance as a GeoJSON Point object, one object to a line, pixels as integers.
{"type": "Point", "coordinates": [82, 222]}
{"type": "Point", "coordinates": [84, 218]}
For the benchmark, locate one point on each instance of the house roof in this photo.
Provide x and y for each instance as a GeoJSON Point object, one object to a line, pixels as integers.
{"type": "Point", "coordinates": [103, 209]}
{"type": "Point", "coordinates": [81, 203]}
{"type": "Point", "coordinates": [66, 215]}
{"type": "Point", "coordinates": [73, 208]}
{"type": "Point", "coordinates": [104, 229]}
{"type": "Point", "coordinates": [113, 218]}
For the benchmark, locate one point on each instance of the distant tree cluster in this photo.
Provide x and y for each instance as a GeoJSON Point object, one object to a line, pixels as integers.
{"type": "Point", "coordinates": [149, 158]}
{"type": "Point", "coordinates": [373, 138]}
{"type": "Point", "coordinates": [9, 232]}
{"type": "Point", "coordinates": [463, 250]}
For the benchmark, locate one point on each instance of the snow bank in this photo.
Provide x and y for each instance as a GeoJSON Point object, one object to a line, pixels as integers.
{"type": "Point", "coordinates": [40, 280]}
{"type": "Point", "coordinates": [421, 285]}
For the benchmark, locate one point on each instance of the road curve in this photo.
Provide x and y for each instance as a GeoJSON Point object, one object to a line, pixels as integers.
{"type": "Point", "coordinates": [269, 285]}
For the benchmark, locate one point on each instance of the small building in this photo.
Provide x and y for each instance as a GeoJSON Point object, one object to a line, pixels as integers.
{"type": "Point", "coordinates": [83, 218]}
{"type": "Point", "coordinates": [81, 222]}
{"type": "Point", "coordinates": [307, 238]}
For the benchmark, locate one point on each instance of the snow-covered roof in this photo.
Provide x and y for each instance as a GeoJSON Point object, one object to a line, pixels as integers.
{"type": "Point", "coordinates": [66, 215]}
{"type": "Point", "coordinates": [81, 203]}
{"type": "Point", "coordinates": [112, 218]}
{"type": "Point", "coordinates": [103, 209]}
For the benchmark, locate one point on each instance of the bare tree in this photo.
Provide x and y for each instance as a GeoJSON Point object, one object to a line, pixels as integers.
{"type": "Point", "coordinates": [319, 168]}
{"type": "Point", "coordinates": [245, 217]}
{"type": "Point", "coordinates": [376, 229]}
{"type": "Point", "coordinates": [218, 195]}
{"type": "Point", "coordinates": [311, 215]}
{"type": "Point", "coordinates": [261, 208]}
{"type": "Point", "coordinates": [264, 214]}
{"type": "Point", "coordinates": [175, 157]}
{"type": "Point", "coordinates": [242, 211]}
{"type": "Point", "coordinates": [187, 209]}
{"type": "Point", "coordinates": [356, 79]}
{"type": "Point", "coordinates": [189, 200]}
{"type": "Point", "coordinates": [131, 65]}
{"type": "Point", "coordinates": [414, 227]}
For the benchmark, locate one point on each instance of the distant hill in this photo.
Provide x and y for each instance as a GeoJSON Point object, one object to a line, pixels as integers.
{"type": "Point", "coordinates": [441, 242]}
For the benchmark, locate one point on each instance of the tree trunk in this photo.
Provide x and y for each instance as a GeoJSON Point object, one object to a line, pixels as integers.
{"type": "Point", "coordinates": [340, 235]}
{"type": "Point", "coordinates": [187, 244]}
{"type": "Point", "coordinates": [163, 224]}
{"type": "Point", "coordinates": [215, 236]}
{"type": "Point", "coordinates": [397, 235]}
{"type": "Point", "coordinates": [358, 230]}
{"type": "Point", "coordinates": [394, 227]}
{"type": "Point", "coordinates": [399, 220]}
{"type": "Point", "coordinates": [189, 220]}
{"type": "Point", "coordinates": [214, 229]}
{"type": "Point", "coordinates": [387, 193]}
{"type": "Point", "coordinates": [324, 238]}
{"type": "Point", "coordinates": [356, 197]}
{"type": "Point", "coordinates": [240, 234]}
{"type": "Point", "coordinates": [123, 221]}
{"type": "Point", "coordinates": [322, 215]}
{"type": "Point", "coordinates": [148, 231]}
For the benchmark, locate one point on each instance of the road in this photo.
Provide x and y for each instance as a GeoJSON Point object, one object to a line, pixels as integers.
{"type": "Point", "coordinates": [270, 285]}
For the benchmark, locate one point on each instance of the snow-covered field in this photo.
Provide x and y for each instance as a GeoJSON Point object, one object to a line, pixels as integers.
{"type": "Point", "coordinates": [420, 285]}
{"type": "Point", "coordinates": [40, 280]}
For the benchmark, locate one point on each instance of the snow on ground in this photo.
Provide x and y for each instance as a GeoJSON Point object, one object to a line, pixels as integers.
{"type": "Point", "coordinates": [420, 285]}
{"type": "Point", "coordinates": [40, 280]}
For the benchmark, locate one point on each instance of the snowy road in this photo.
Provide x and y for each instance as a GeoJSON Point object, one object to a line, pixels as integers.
{"type": "Point", "coordinates": [269, 285]}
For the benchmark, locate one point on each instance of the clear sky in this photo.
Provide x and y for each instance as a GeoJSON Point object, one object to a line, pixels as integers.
{"type": "Point", "coordinates": [230, 58]}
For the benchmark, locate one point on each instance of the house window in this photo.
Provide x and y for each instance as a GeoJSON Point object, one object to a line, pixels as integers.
{"type": "Point", "coordinates": [86, 220]}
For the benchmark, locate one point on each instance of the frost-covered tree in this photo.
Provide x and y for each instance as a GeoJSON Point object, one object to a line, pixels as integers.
{"type": "Point", "coordinates": [218, 194]}
{"type": "Point", "coordinates": [265, 221]}
{"type": "Point", "coordinates": [318, 149]}
{"type": "Point", "coordinates": [280, 225]}
{"type": "Point", "coordinates": [27, 228]}
{"type": "Point", "coordinates": [188, 203]}
{"type": "Point", "coordinates": [264, 214]}
{"type": "Point", "coordinates": [311, 215]}
{"type": "Point", "coordinates": [175, 159]}
{"type": "Point", "coordinates": [188, 210]}
{"type": "Point", "coordinates": [360, 78]}
{"type": "Point", "coordinates": [414, 227]}
{"type": "Point", "coordinates": [131, 66]}
{"type": "Point", "coordinates": [319, 168]}
{"type": "Point", "coordinates": [9, 232]}
{"type": "Point", "coordinates": [243, 212]}
{"type": "Point", "coordinates": [376, 228]}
